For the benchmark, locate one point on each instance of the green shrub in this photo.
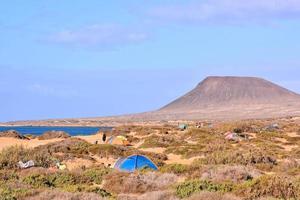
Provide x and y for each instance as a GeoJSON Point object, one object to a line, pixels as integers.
{"type": "Point", "coordinates": [174, 168]}
{"type": "Point", "coordinates": [9, 157]}
{"type": "Point", "coordinates": [274, 186]}
{"type": "Point", "coordinates": [8, 175]}
{"type": "Point", "coordinates": [38, 180]}
{"type": "Point", "coordinates": [57, 180]}
{"type": "Point", "coordinates": [13, 194]}
{"type": "Point", "coordinates": [100, 191]}
{"type": "Point", "coordinates": [188, 188]}
{"type": "Point", "coordinates": [96, 174]}
{"type": "Point", "coordinates": [74, 146]}
{"type": "Point", "coordinates": [105, 150]}
{"type": "Point", "coordinates": [238, 157]}
{"type": "Point", "coordinates": [160, 141]}
{"type": "Point", "coordinates": [68, 182]}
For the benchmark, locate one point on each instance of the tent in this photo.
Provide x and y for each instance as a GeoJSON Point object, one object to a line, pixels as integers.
{"type": "Point", "coordinates": [134, 162]}
{"type": "Point", "coordinates": [182, 126]}
{"type": "Point", "coordinates": [235, 136]}
{"type": "Point", "coordinates": [118, 140]}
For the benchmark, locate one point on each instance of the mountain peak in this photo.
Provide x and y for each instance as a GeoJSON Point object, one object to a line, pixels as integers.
{"type": "Point", "coordinates": [216, 91]}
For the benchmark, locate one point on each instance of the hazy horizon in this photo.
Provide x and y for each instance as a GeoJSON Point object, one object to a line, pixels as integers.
{"type": "Point", "coordinates": [87, 59]}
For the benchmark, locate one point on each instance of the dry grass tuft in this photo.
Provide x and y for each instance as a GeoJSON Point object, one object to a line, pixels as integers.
{"type": "Point", "coordinates": [155, 195]}
{"type": "Point", "coordinates": [235, 174]}
{"type": "Point", "coordinates": [59, 195]}
{"type": "Point", "coordinates": [213, 196]}
{"type": "Point", "coordinates": [138, 183]}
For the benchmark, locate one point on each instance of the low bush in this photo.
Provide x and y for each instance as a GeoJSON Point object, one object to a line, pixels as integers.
{"type": "Point", "coordinates": [160, 141]}
{"type": "Point", "coordinates": [187, 188]}
{"type": "Point", "coordinates": [106, 150]}
{"type": "Point", "coordinates": [96, 174]}
{"type": "Point", "coordinates": [60, 195]}
{"type": "Point", "coordinates": [58, 180]}
{"type": "Point", "coordinates": [10, 157]}
{"type": "Point", "coordinates": [251, 157]}
{"type": "Point", "coordinates": [213, 196]}
{"type": "Point", "coordinates": [155, 195]}
{"type": "Point", "coordinates": [8, 175]}
{"type": "Point", "coordinates": [235, 174]}
{"type": "Point", "coordinates": [38, 180]}
{"type": "Point", "coordinates": [69, 182]}
{"type": "Point", "coordinates": [174, 168]}
{"type": "Point", "coordinates": [273, 186]}
{"type": "Point", "coordinates": [137, 183]}
{"type": "Point", "coordinates": [69, 145]}
{"type": "Point", "coordinates": [8, 192]}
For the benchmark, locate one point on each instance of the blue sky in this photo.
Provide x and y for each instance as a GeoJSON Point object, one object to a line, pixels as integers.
{"type": "Point", "coordinates": [64, 58]}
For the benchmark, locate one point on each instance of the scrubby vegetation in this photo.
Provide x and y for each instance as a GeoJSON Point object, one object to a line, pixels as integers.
{"type": "Point", "coordinates": [264, 166]}
{"type": "Point", "coordinates": [138, 183]}
{"type": "Point", "coordinates": [188, 188]}
{"type": "Point", "coordinates": [10, 156]}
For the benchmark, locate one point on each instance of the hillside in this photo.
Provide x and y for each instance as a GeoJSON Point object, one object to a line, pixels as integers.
{"type": "Point", "coordinates": [234, 97]}
{"type": "Point", "coordinates": [226, 91]}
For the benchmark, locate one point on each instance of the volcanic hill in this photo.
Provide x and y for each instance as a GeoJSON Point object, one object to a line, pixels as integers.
{"type": "Point", "coordinates": [234, 97]}
{"type": "Point", "coordinates": [215, 98]}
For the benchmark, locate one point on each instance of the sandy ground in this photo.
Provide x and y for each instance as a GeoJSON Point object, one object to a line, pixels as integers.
{"type": "Point", "coordinates": [92, 138]}
{"type": "Point", "coordinates": [71, 164]}
{"type": "Point", "coordinates": [172, 158]}
{"type": "Point", "coordinates": [78, 163]}
{"type": "Point", "coordinates": [177, 159]}
{"type": "Point", "coordinates": [7, 142]}
{"type": "Point", "coordinates": [154, 150]}
{"type": "Point", "coordinates": [284, 144]}
{"type": "Point", "coordinates": [293, 134]}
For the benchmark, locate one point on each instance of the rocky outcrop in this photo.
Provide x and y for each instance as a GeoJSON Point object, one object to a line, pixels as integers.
{"type": "Point", "coordinates": [53, 134]}
{"type": "Point", "coordinates": [13, 134]}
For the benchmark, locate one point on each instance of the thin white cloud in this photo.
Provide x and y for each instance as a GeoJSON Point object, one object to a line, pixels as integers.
{"type": "Point", "coordinates": [99, 36]}
{"type": "Point", "coordinates": [228, 11]}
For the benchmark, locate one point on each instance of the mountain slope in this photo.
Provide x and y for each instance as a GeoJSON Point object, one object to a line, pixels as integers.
{"type": "Point", "coordinates": [232, 91]}
{"type": "Point", "coordinates": [215, 98]}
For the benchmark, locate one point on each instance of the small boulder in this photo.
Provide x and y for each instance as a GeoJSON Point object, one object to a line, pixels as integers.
{"type": "Point", "coordinates": [53, 134]}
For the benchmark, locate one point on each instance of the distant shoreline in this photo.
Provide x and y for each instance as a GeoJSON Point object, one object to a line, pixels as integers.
{"type": "Point", "coordinates": [71, 130]}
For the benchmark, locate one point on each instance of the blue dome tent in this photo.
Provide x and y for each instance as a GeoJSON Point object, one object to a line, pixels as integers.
{"type": "Point", "coordinates": [134, 162]}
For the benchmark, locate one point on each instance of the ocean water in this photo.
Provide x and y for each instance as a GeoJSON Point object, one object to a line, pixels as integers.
{"type": "Point", "coordinates": [38, 130]}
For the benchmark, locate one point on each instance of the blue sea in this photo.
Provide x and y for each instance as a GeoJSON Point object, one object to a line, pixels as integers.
{"type": "Point", "coordinates": [38, 130]}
